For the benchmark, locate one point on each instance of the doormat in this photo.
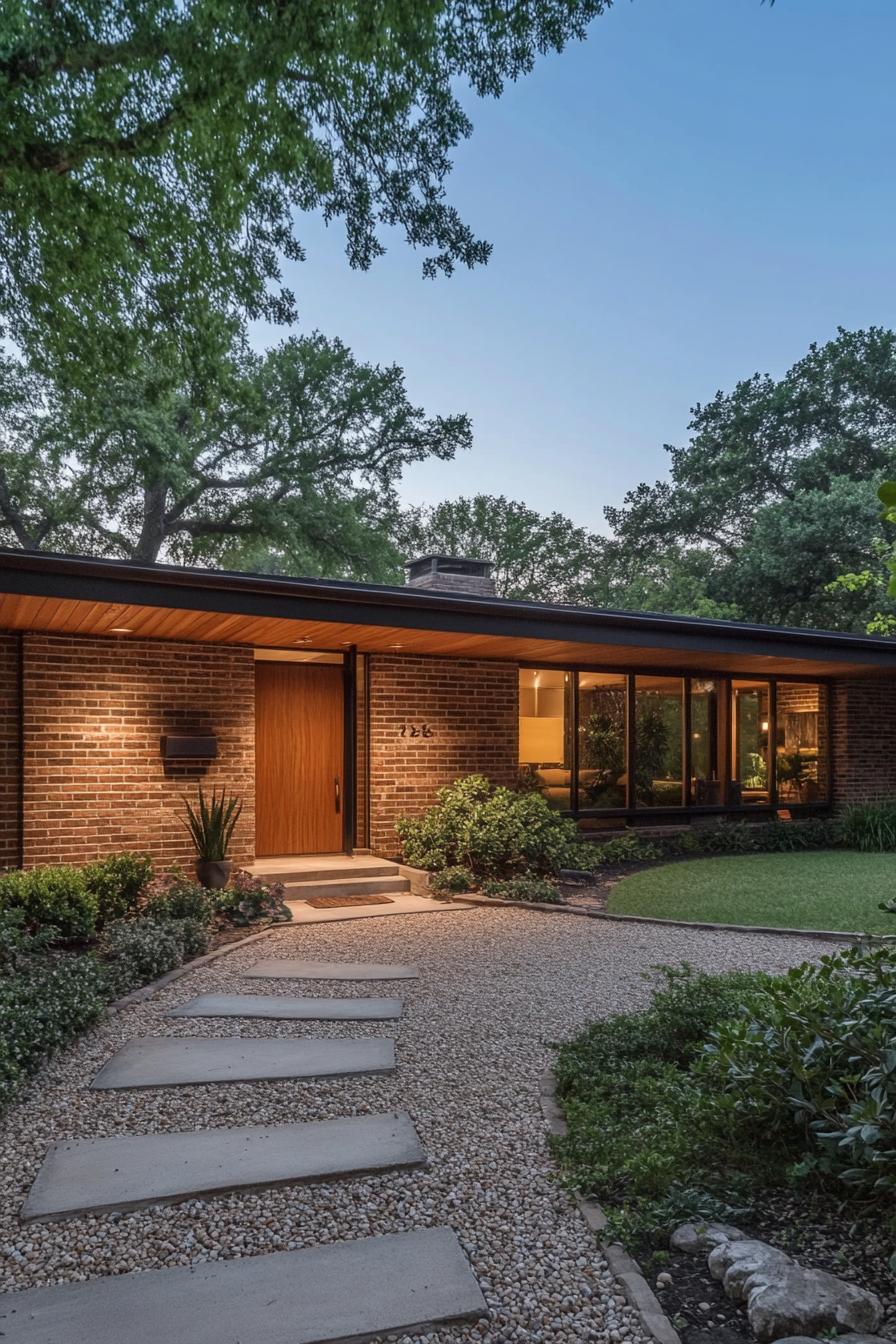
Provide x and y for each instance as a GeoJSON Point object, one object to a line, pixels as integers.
{"type": "Point", "coordinates": [332, 902]}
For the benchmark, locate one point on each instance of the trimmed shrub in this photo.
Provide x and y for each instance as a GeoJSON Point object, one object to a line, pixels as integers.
{"type": "Point", "coordinates": [491, 830]}
{"type": "Point", "coordinates": [528, 887]}
{"type": "Point", "coordinates": [195, 935]}
{"type": "Point", "coordinates": [870, 827]}
{"type": "Point", "coordinates": [56, 898]}
{"type": "Point", "coordinates": [46, 998]}
{"type": "Point", "coordinates": [140, 950]}
{"type": "Point", "coordinates": [175, 896]}
{"type": "Point", "coordinates": [117, 883]}
{"type": "Point", "coordinates": [452, 881]}
{"type": "Point", "coordinates": [248, 899]}
{"type": "Point", "coordinates": [628, 848]}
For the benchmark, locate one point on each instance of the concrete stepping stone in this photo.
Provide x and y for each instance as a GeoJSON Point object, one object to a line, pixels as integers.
{"type": "Point", "coordinates": [98, 1175]}
{"type": "Point", "coordinates": [276, 968]}
{"type": "Point", "coordinates": [173, 1061]}
{"type": "Point", "coordinates": [287, 1007]}
{"type": "Point", "coordinates": [353, 1290]}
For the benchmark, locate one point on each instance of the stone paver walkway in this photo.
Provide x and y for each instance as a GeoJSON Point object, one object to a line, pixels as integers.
{"type": "Point", "coordinates": [299, 1009]}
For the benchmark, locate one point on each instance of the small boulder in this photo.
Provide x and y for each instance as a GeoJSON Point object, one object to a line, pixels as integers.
{"type": "Point", "coordinates": [693, 1238]}
{"type": "Point", "coordinates": [797, 1300]}
{"type": "Point", "coordinates": [737, 1263]}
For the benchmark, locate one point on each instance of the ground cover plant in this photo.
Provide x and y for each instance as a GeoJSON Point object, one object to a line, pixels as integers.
{"type": "Point", "coordinates": [730, 1088]}
{"type": "Point", "coordinates": [72, 939]}
{"type": "Point", "coordinates": [827, 889]}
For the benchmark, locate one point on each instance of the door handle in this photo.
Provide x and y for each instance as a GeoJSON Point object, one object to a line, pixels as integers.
{"type": "Point", "coordinates": [338, 794]}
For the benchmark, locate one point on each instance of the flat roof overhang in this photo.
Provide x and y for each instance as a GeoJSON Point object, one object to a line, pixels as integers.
{"type": "Point", "coordinates": [77, 596]}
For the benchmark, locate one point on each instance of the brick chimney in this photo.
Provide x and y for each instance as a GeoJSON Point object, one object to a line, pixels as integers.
{"type": "Point", "coordinates": [451, 574]}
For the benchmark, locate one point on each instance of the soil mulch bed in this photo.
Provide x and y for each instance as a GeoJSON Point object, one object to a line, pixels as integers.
{"type": "Point", "coordinates": [817, 1233]}
{"type": "Point", "coordinates": [594, 895]}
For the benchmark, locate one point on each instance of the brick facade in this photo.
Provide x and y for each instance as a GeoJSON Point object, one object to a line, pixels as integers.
{"type": "Point", "coordinates": [10, 751]}
{"type": "Point", "coordinates": [94, 712]}
{"type": "Point", "coordinates": [470, 709]}
{"type": "Point", "coordinates": [863, 715]}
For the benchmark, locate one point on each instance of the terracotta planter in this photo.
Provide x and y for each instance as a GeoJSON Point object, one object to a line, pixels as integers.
{"type": "Point", "coordinates": [214, 873]}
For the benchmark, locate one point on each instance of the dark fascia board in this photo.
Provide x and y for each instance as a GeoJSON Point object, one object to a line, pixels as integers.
{"type": "Point", "coordinates": [80, 579]}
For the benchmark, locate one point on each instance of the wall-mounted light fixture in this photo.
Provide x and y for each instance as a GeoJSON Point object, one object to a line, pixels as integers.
{"type": "Point", "coordinates": [189, 746]}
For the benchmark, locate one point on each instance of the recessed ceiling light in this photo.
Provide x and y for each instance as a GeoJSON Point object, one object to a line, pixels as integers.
{"type": "Point", "coordinates": [305, 639]}
{"type": "Point", "coordinates": [396, 646]}
{"type": "Point", "coordinates": [121, 630]}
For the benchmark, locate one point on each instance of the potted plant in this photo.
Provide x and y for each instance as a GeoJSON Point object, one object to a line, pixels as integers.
{"type": "Point", "coordinates": [211, 826]}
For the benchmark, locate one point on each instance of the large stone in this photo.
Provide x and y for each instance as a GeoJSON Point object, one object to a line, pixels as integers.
{"type": "Point", "coordinates": [173, 1061]}
{"type": "Point", "coordinates": [286, 1006]}
{"type": "Point", "coordinates": [736, 1263]}
{"type": "Point", "coordinates": [694, 1238]}
{"type": "Point", "coordinates": [353, 1290]}
{"type": "Point", "coordinates": [809, 1301]}
{"type": "Point", "coordinates": [96, 1175]}
{"type": "Point", "coordinates": [282, 968]}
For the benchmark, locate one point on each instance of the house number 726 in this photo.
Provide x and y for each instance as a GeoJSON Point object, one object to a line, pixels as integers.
{"type": "Point", "coordinates": [415, 730]}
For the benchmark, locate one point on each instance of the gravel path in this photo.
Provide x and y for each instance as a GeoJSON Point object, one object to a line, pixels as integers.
{"type": "Point", "coordinates": [496, 988]}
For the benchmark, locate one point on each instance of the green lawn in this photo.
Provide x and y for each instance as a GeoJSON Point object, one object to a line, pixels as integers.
{"type": "Point", "coordinates": [827, 889]}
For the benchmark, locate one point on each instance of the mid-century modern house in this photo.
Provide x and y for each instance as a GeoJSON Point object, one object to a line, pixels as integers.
{"type": "Point", "coordinates": [334, 708]}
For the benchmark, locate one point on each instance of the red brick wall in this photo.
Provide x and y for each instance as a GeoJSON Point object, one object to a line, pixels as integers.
{"type": "Point", "coordinates": [470, 709]}
{"type": "Point", "coordinates": [94, 713]}
{"type": "Point", "coordinates": [863, 718]}
{"type": "Point", "coordinates": [10, 750]}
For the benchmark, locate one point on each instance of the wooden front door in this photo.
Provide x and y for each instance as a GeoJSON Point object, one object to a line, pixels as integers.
{"type": "Point", "coordinates": [298, 758]}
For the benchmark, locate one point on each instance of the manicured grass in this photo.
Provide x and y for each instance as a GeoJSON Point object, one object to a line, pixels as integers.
{"type": "Point", "coordinates": [827, 889]}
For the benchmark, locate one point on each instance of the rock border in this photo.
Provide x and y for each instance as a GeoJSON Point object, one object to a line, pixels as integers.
{"type": "Point", "coordinates": [823, 935]}
{"type": "Point", "coordinates": [638, 1292]}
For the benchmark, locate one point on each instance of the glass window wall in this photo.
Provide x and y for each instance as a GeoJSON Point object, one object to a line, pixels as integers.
{"type": "Point", "coordinates": [707, 742]}
{"type": "Point", "coordinates": [659, 731]}
{"type": "Point", "coordinates": [545, 743]}
{"type": "Point", "coordinates": [750, 728]}
{"type": "Point", "coordinates": [801, 754]}
{"type": "Point", "coordinates": [603, 740]}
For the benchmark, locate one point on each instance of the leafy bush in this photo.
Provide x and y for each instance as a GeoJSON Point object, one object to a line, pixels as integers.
{"type": "Point", "coordinates": [248, 899]}
{"type": "Point", "coordinates": [55, 898]}
{"type": "Point", "coordinates": [528, 887]}
{"type": "Point", "coordinates": [195, 935]}
{"type": "Point", "coordinates": [815, 1056]}
{"type": "Point", "coordinates": [870, 827]}
{"type": "Point", "coordinates": [175, 896]}
{"type": "Point", "coordinates": [140, 950]}
{"type": "Point", "coordinates": [117, 882]}
{"type": "Point", "coordinates": [628, 848]}
{"type": "Point", "coordinates": [728, 837]}
{"type": "Point", "coordinates": [46, 998]}
{"type": "Point", "coordinates": [491, 830]}
{"type": "Point", "coordinates": [452, 881]}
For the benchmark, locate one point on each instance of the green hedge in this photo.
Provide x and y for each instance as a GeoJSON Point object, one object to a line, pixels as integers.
{"type": "Point", "coordinates": [729, 837]}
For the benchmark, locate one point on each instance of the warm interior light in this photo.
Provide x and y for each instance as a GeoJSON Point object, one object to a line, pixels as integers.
{"type": "Point", "coordinates": [541, 740]}
{"type": "Point", "coordinates": [764, 725]}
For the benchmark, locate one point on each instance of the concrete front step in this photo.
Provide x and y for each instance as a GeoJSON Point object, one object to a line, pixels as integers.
{"type": "Point", "coordinates": [353, 1290]}
{"type": "Point", "coordinates": [322, 868]}
{"type": "Point", "coordinates": [348, 886]}
{"type": "Point", "coordinates": [174, 1061]}
{"type": "Point", "coordinates": [82, 1176]}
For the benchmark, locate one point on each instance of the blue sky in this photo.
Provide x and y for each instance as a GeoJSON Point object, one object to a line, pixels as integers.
{"type": "Point", "coordinates": [697, 192]}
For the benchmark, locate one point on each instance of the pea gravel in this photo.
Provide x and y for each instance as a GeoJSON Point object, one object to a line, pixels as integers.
{"type": "Point", "coordinates": [496, 988]}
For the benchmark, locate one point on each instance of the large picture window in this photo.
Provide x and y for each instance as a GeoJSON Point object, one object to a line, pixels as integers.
{"type": "Point", "coordinates": [594, 742]}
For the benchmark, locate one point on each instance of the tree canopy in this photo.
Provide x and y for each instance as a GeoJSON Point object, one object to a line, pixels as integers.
{"type": "Point", "coordinates": [154, 157]}
{"type": "Point", "coordinates": [774, 496]}
{"type": "Point", "coordinates": [288, 460]}
{"type": "Point", "coordinates": [539, 557]}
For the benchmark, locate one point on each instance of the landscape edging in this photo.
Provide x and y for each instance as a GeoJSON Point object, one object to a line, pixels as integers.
{"type": "Point", "coordinates": [638, 1292]}
{"type": "Point", "coordinates": [146, 991]}
{"type": "Point", "coordinates": [824, 935]}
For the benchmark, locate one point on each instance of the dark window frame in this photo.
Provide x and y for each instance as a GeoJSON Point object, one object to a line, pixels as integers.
{"type": "Point", "coordinates": [688, 807]}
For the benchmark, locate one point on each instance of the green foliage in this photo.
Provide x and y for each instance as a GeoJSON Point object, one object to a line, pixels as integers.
{"type": "Point", "coordinates": [162, 463]}
{"type": "Point", "coordinates": [117, 883]}
{"type": "Point", "coordinates": [247, 899]}
{"type": "Point", "coordinates": [174, 895]}
{"type": "Point", "coordinates": [194, 932]}
{"type": "Point", "coordinates": [728, 837]}
{"type": "Point", "coordinates": [628, 848]}
{"type": "Point", "coordinates": [138, 951]}
{"type": "Point", "coordinates": [155, 158]}
{"type": "Point", "coordinates": [212, 822]}
{"type": "Point", "coordinates": [772, 498]}
{"type": "Point", "coordinates": [452, 881]}
{"type": "Point", "coordinates": [526, 887]}
{"type": "Point", "coordinates": [46, 999]}
{"type": "Point", "coordinates": [870, 827]}
{"type": "Point", "coordinates": [55, 898]}
{"type": "Point", "coordinates": [535, 557]}
{"type": "Point", "coordinates": [493, 831]}
{"type": "Point", "coordinates": [813, 1059]}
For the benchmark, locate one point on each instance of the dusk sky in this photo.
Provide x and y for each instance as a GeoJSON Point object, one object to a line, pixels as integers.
{"type": "Point", "coordinates": [696, 193]}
